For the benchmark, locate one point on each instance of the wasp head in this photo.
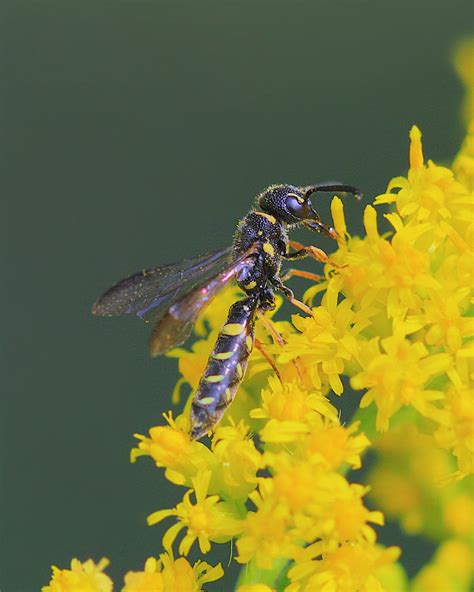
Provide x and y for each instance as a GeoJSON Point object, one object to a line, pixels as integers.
{"type": "Point", "coordinates": [292, 205]}
{"type": "Point", "coordinates": [287, 203]}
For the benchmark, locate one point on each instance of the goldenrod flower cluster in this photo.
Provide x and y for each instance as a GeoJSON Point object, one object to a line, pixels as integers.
{"type": "Point", "coordinates": [396, 319]}
{"type": "Point", "coordinates": [416, 353]}
{"type": "Point", "coordinates": [158, 575]}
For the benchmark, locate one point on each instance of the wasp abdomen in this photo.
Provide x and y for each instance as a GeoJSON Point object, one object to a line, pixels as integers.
{"type": "Point", "coordinates": [225, 368]}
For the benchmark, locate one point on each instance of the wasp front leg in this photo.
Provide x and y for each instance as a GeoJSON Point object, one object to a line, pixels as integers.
{"type": "Point", "coordinates": [288, 293]}
{"type": "Point", "coordinates": [303, 251]}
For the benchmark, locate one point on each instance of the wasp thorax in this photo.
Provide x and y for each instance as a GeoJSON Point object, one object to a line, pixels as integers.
{"type": "Point", "coordinates": [287, 203]}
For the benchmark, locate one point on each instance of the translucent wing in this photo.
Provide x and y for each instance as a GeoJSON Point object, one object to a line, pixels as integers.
{"type": "Point", "coordinates": [151, 292]}
{"type": "Point", "coordinates": [176, 324]}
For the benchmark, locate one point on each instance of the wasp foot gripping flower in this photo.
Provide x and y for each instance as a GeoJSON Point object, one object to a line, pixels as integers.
{"type": "Point", "coordinates": [82, 577]}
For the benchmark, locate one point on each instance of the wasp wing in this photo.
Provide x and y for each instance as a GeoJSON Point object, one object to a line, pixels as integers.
{"type": "Point", "coordinates": [176, 324]}
{"type": "Point", "coordinates": [150, 293]}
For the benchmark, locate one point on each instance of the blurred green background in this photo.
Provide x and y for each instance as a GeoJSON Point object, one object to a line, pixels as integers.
{"type": "Point", "coordinates": [136, 133]}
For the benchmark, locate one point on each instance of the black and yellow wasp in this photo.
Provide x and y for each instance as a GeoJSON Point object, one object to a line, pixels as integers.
{"type": "Point", "coordinates": [173, 296]}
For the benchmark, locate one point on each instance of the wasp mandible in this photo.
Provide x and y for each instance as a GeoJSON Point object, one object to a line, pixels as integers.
{"type": "Point", "coordinates": [174, 296]}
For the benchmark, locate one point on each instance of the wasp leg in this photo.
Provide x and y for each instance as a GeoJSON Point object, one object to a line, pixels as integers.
{"type": "Point", "coordinates": [308, 275]}
{"type": "Point", "coordinates": [277, 338]}
{"type": "Point", "coordinates": [259, 345]}
{"type": "Point", "coordinates": [288, 293]}
{"type": "Point", "coordinates": [310, 251]}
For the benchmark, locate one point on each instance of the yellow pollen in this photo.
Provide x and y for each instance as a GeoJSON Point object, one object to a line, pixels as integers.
{"type": "Point", "coordinates": [223, 355]}
{"type": "Point", "coordinates": [250, 285]}
{"type": "Point", "coordinates": [268, 248]}
{"type": "Point", "coordinates": [269, 217]}
{"type": "Point", "coordinates": [232, 329]}
{"type": "Point", "coordinates": [198, 519]}
{"type": "Point", "coordinates": [249, 343]}
{"type": "Point", "coordinates": [206, 400]}
{"type": "Point", "coordinates": [228, 395]}
{"type": "Point", "coordinates": [214, 378]}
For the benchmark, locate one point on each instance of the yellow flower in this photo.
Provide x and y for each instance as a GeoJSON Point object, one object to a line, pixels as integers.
{"type": "Point", "coordinates": [298, 485]}
{"type": "Point", "coordinates": [169, 575]}
{"type": "Point", "coordinates": [408, 482]}
{"type": "Point", "coordinates": [266, 532]}
{"type": "Point", "coordinates": [351, 516]}
{"type": "Point", "coordinates": [459, 515]}
{"type": "Point", "coordinates": [327, 340]}
{"type": "Point", "coordinates": [171, 447]}
{"type": "Point", "coordinates": [457, 433]}
{"type": "Point", "coordinates": [464, 63]}
{"type": "Point", "coordinates": [207, 520]}
{"type": "Point", "coordinates": [340, 568]}
{"type": "Point", "coordinates": [333, 505]}
{"type": "Point", "coordinates": [335, 445]}
{"type": "Point", "coordinates": [444, 314]}
{"type": "Point", "coordinates": [82, 577]}
{"type": "Point", "coordinates": [290, 411]}
{"type": "Point", "coordinates": [451, 569]}
{"type": "Point", "coordinates": [428, 194]}
{"type": "Point", "coordinates": [397, 375]}
{"type": "Point", "coordinates": [237, 462]}
{"type": "Point", "coordinates": [463, 164]}
{"type": "Point", "coordinates": [387, 277]}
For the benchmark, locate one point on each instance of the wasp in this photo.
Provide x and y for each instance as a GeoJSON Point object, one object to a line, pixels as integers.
{"type": "Point", "coordinates": [173, 296]}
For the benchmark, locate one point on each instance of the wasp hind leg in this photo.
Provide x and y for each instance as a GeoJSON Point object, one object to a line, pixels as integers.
{"type": "Point", "coordinates": [261, 348]}
{"type": "Point", "coordinates": [278, 339]}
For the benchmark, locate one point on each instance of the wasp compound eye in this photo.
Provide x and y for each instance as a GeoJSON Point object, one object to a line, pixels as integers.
{"type": "Point", "coordinates": [298, 207]}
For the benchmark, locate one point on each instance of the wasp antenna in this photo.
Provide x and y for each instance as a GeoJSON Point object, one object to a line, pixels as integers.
{"type": "Point", "coordinates": [333, 187]}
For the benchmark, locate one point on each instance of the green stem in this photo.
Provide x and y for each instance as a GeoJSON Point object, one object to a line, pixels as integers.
{"type": "Point", "coordinates": [274, 577]}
